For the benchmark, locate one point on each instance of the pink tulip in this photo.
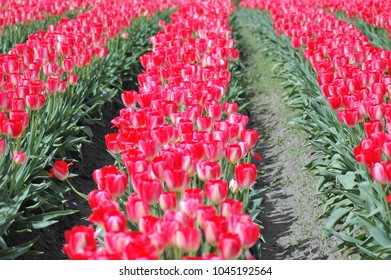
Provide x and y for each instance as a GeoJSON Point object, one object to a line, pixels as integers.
{"type": "Point", "coordinates": [246, 174]}
{"type": "Point", "coordinates": [216, 191]}
{"type": "Point", "coordinates": [229, 245]}
{"type": "Point", "coordinates": [233, 153]}
{"type": "Point", "coordinates": [231, 207]}
{"type": "Point", "coordinates": [248, 233]}
{"type": "Point", "coordinates": [213, 228]}
{"type": "Point", "coordinates": [115, 222]}
{"type": "Point", "coordinates": [250, 136]}
{"type": "Point", "coordinates": [18, 157]}
{"type": "Point", "coordinates": [3, 146]}
{"type": "Point", "coordinates": [208, 170]}
{"type": "Point", "coordinates": [204, 213]}
{"type": "Point", "coordinates": [176, 179]}
{"type": "Point", "coordinates": [167, 201]}
{"type": "Point", "coordinates": [136, 208]}
{"type": "Point", "coordinates": [188, 239]}
{"type": "Point", "coordinates": [150, 190]}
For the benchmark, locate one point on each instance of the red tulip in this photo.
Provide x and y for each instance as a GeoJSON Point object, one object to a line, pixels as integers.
{"type": "Point", "coordinates": [248, 234]}
{"type": "Point", "coordinates": [35, 101]}
{"type": "Point", "coordinates": [112, 143]}
{"type": "Point", "coordinates": [188, 239]}
{"type": "Point", "coordinates": [96, 197]}
{"type": "Point", "coordinates": [3, 146]}
{"type": "Point", "coordinates": [349, 117]}
{"type": "Point", "coordinates": [102, 210]}
{"type": "Point", "coordinates": [379, 174]}
{"type": "Point", "coordinates": [129, 98]}
{"type": "Point", "coordinates": [231, 207]}
{"type": "Point", "coordinates": [115, 222]}
{"type": "Point", "coordinates": [136, 208]}
{"type": "Point", "coordinates": [140, 251]}
{"type": "Point", "coordinates": [72, 79]}
{"type": "Point", "coordinates": [250, 136]}
{"type": "Point", "coordinates": [60, 170]}
{"type": "Point", "coordinates": [204, 213]}
{"type": "Point", "coordinates": [52, 84]}
{"type": "Point", "coordinates": [213, 150]}
{"type": "Point", "coordinates": [19, 116]}
{"type": "Point", "coordinates": [149, 148]}
{"type": "Point", "coordinates": [115, 242]}
{"type": "Point", "coordinates": [245, 174]}
{"type": "Point", "coordinates": [208, 170]}
{"type": "Point", "coordinates": [149, 190]}
{"type": "Point", "coordinates": [216, 191]}
{"type": "Point", "coordinates": [215, 111]}
{"type": "Point", "coordinates": [204, 123]}
{"type": "Point", "coordinates": [231, 107]}
{"type": "Point", "coordinates": [167, 201]}
{"type": "Point", "coordinates": [18, 157]}
{"type": "Point", "coordinates": [388, 199]}
{"type": "Point", "coordinates": [213, 228]}
{"type": "Point", "coordinates": [80, 242]}
{"type": "Point", "coordinates": [176, 179]}
{"type": "Point", "coordinates": [147, 224]}
{"type": "Point", "coordinates": [229, 245]}
{"type": "Point", "coordinates": [373, 126]}
{"type": "Point", "coordinates": [233, 153]}
{"type": "Point", "coordinates": [14, 128]}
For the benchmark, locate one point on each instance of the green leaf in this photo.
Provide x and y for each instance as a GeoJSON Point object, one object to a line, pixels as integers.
{"type": "Point", "coordinates": [376, 232]}
{"type": "Point", "coordinates": [335, 217]}
{"type": "Point", "coordinates": [347, 180]}
{"type": "Point", "coordinates": [16, 251]}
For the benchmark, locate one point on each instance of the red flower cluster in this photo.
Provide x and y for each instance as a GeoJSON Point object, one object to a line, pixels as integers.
{"type": "Point", "coordinates": [352, 73]}
{"type": "Point", "coordinates": [14, 12]}
{"type": "Point", "coordinates": [373, 12]}
{"type": "Point", "coordinates": [180, 144]}
{"type": "Point", "coordinates": [44, 64]}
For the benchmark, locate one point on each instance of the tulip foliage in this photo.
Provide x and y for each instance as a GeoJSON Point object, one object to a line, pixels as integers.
{"type": "Point", "coordinates": [342, 84]}
{"type": "Point", "coordinates": [182, 180]}
{"type": "Point", "coordinates": [50, 91]}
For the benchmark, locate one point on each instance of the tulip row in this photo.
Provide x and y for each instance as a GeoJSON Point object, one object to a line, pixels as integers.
{"type": "Point", "coordinates": [352, 73]}
{"type": "Point", "coordinates": [180, 186]}
{"type": "Point", "coordinates": [373, 12]}
{"type": "Point", "coordinates": [16, 12]}
{"type": "Point", "coordinates": [352, 76]}
{"type": "Point", "coordinates": [43, 101]}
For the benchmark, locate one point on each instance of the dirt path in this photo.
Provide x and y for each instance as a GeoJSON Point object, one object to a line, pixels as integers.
{"type": "Point", "coordinates": [290, 210]}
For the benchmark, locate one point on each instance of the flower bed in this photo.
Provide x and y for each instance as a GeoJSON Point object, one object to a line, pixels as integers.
{"type": "Point", "coordinates": [46, 91]}
{"type": "Point", "coordinates": [180, 186]}
{"type": "Point", "coordinates": [353, 76]}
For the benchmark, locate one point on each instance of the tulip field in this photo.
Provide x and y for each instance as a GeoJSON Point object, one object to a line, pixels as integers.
{"type": "Point", "coordinates": [130, 129]}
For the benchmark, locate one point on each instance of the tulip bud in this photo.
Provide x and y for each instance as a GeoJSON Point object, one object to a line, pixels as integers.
{"type": "Point", "coordinates": [60, 170]}
{"type": "Point", "coordinates": [3, 146]}
{"type": "Point", "coordinates": [18, 157]}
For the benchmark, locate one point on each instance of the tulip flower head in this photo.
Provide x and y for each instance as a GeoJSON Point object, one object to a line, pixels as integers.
{"type": "Point", "coordinates": [60, 170]}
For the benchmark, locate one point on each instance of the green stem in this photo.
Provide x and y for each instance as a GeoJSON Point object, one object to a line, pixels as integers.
{"type": "Point", "coordinates": [82, 195]}
{"type": "Point", "coordinates": [245, 197]}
